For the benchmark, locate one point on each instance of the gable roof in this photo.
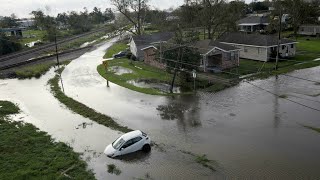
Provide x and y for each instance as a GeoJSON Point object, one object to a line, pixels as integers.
{"type": "Point", "coordinates": [207, 45]}
{"type": "Point", "coordinates": [253, 20]}
{"type": "Point", "coordinates": [253, 39]}
{"type": "Point", "coordinates": [150, 38]}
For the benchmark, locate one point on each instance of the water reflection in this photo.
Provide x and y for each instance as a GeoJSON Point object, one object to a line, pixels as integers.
{"type": "Point", "coordinates": [183, 109]}
{"type": "Point", "coordinates": [136, 157]}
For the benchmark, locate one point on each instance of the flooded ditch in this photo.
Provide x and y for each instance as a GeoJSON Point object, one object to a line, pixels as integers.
{"type": "Point", "coordinates": [155, 84]}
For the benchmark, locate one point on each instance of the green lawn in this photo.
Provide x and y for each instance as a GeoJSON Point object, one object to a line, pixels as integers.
{"type": "Point", "coordinates": [27, 39]}
{"type": "Point", "coordinates": [140, 71]}
{"type": "Point", "coordinates": [27, 153]}
{"type": "Point", "coordinates": [312, 45]}
{"type": "Point", "coordinates": [114, 49]}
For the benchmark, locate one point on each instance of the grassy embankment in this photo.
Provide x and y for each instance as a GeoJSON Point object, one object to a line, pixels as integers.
{"type": "Point", "coordinates": [27, 153]}
{"type": "Point", "coordinates": [82, 109]}
{"type": "Point", "coordinates": [36, 70]}
{"type": "Point", "coordinates": [117, 47]}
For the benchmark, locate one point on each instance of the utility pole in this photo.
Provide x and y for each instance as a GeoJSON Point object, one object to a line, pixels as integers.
{"type": "Point", "coordinates": [279, 37]}
{"type": "Point", "coordinates": [57, 55]}
{"type": "Point", "coordinates": [175, 70]}
{"type": "Point", "coordinates": [58, 62]}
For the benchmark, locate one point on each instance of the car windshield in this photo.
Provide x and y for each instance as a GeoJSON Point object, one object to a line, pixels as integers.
{"type": "Point", "coordinates": [117, 143]}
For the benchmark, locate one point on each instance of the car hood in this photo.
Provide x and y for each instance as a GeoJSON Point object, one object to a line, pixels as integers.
{"type": "Point", "coordinates": [109, 151]}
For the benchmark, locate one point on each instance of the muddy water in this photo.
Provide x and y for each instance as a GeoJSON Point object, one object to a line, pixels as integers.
{"type": "Point", "coordinates": [250, 132]}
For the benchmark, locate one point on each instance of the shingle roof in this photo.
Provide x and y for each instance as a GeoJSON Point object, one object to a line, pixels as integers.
{"type": "Point", "coordinates": [156, 37]}
{"type": "Point", "coordinates": [207, 45]}
{"type": "Point", "coordinates": [254, 20]}
{"type": "Point", "coordinates": [253, 39]}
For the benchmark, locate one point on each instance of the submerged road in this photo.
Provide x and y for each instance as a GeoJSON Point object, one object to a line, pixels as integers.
{"type": "Point", "coordinates": [249, 132]}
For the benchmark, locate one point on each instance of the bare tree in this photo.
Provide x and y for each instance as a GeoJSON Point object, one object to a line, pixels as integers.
{"type": "Point", "coordinates": [134, 11]}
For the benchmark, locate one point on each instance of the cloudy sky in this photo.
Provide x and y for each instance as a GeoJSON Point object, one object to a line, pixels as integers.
{"type": "Point", "coordinates": [22, 8]}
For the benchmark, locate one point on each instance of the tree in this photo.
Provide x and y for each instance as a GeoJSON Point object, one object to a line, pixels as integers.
{"type": "Point", "coordinates": [134, 11]}
{"type": "Point", "coordinates": [7, 45]}
{"type": "Point", "coordinates": [8, 22]}
{"type": "Point", "coordinates": [108, 15]}
{"type": "Point", "coordinates": [299, 11]}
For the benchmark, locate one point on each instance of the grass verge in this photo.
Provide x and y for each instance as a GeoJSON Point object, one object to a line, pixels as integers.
{"type": "Point", "coordinates": [36, 70]}
{"type": "Point", "coordinates": [114, 49]}
{"type": "Point", "coordinates": [27, 153]}
{"type": "Point", "coordinates": [203, 160]}
{"type": "Point", "coordinates": [312, 128]}
{"type": "Point", "coordinates": [82, 109]}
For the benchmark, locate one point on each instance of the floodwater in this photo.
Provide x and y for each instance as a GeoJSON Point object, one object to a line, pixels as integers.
{"type": "Point", "coordinates": [250, 133]}
{"type": "Point", "coordinates": [161, 86]}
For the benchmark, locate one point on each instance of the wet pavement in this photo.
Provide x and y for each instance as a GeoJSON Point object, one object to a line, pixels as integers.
{"type": "Point", "coordinates": [249, 132]}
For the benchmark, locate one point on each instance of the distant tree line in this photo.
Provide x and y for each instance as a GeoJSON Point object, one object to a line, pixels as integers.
{"type": "Point", "coordinates": [76, 22]}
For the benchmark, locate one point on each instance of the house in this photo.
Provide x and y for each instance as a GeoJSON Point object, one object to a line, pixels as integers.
{"type": "Point", "coordinates": [149, 54]}
{"type": "Point", "coordinates": [217, 56]}
{"type": "Point", "coordinates": [137, 43]}
{"type": "Point", "coordinates": [17, 32]}
{"type": "Point", "coordinates": [310, 30]}
{"type": "Point", "coordinates": [253, 23]}
{"type": "Point", "coordinates": [260, 47]}
{"type": "Point", "coordinates": [26, 23]}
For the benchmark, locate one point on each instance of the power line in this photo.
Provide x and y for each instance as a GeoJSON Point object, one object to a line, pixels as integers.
{"type": "Point", "coordinates": [283, 98]}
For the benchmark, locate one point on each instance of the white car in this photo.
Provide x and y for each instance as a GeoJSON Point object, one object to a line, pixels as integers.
{"type": "Point", "coordinates": [129, 143]}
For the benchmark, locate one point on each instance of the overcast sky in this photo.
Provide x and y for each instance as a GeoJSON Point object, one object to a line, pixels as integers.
{"type": "Point", "coordinates": [22, 8]}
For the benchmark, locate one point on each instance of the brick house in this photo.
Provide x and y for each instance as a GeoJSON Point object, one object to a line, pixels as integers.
{"type": "Point", "coordinates": [149, 54]}
{"type": "Point", "coordinates": [217, 56]}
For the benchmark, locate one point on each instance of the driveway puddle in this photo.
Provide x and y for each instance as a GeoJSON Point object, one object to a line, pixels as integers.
{"type": "Point", "coordinates": [118, 70]}
{"type": "Point", "coordinates": [161, 86]}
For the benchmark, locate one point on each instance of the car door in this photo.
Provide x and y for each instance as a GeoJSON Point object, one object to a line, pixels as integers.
{"type": "Point", "coordinates": [126, 147]}
{"type": "Point", "coordinates": [131, 146]}
{"type": "Point", "coordinates": [136, 146]}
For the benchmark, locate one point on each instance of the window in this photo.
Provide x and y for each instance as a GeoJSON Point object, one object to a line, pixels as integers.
{"type": "Point", "coordinates": [258, 50]}
{"type": "Point", "coordinates": [127, 144]}
{"type": "Point", "coordinates": [137, 139]}
{"type": "Point", "coordinates": [131, 142]}
{"type": "Point", "coordinates": [117, 143]}
{"type": "Point", "coordinates": [292, 45]}
{"type": "Point", "coordinates": [283, 47]}
{"type": "Point", "coordinates": [232, 56]}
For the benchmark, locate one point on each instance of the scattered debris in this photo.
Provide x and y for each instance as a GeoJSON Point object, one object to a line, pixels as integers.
{"type": "Point", "coordinates": [283, 96]}
{"type": "Point", "coordinates": [84, 125]}
{"type": "Point", "coordinates": [112, 169]}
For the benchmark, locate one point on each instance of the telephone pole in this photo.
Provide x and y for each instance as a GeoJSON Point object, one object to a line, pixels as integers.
{"type": "Point", "coordinates": [279, 37]}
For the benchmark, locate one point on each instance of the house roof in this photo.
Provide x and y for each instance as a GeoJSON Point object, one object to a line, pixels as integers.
{"type": "Point", "coordinates": [155, 37]}
{"type": "Point", "coordinates": [207, 45]}
{"type": "Point", "coordinates": [253, 39]}
{"type": "Point", "coordinates": [253, 20]}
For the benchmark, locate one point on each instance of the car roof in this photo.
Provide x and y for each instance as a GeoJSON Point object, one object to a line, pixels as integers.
{"type": "Point", "coordinates": [131, 135]}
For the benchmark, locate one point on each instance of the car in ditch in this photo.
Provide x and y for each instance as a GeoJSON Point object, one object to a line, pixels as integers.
{"type": "Point", "coordinates": [128, 143]}
{"type": "Point", "coordinates": [120, 54]}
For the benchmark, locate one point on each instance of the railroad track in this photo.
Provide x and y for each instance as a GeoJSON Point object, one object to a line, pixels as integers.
{"type": "Point", "coordinates": [46, 46]}
{"type": "Point", "coordinates": [41, 58]}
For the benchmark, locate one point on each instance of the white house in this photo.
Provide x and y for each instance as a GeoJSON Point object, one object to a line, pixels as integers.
{"type": "Point", "coordinates": [137, 43]}
{"type": "Point", "coordinates": [253, 23]}
{"type": "Point", "coordinates": [260, 47]}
